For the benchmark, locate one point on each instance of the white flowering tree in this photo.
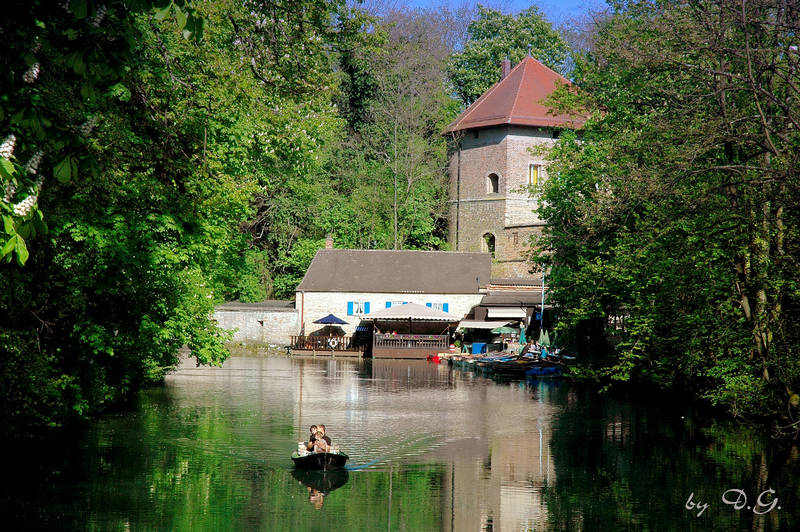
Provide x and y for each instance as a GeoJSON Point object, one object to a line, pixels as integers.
{"type": "Point", "coordinates": [76, 47]}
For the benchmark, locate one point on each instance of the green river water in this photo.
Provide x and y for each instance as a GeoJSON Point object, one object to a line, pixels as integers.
{"type": "Point", "coordinates": [431, 448]}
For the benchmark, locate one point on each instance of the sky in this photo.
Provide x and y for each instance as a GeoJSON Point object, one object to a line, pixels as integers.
{"type": "Point", "coordinates": [555, 10]}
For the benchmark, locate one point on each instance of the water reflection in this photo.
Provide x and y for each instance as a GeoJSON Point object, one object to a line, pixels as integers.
{"type": "Point", "coordinates": [430, 449]}
{"type": "Point", "coordinates": [401, 421]}
{"type": "Point", "coordinates": [320, 483]}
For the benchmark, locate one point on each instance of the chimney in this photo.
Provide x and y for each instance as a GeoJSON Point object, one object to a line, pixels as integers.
{"type": "Point", "coordinates": [505, 65]}
{"type": "Point", "coordinates": [328, 241]}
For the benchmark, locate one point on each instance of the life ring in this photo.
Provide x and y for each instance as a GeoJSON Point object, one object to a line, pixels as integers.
{"type": "Point", "coordinates": [333, 342]}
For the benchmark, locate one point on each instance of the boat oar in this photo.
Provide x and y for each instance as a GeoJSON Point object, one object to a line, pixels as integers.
{"type": "Point", "coordinates": [354, 468]}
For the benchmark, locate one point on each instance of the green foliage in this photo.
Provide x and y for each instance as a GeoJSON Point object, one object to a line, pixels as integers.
{"type": "Point", "coordinates": [378, 178]}
{"type": "Point", "coordinates": [494, 36]}
{"type": "Point", "coordinates": [84, 47]}
{"type": "Point", "coordinates": [253, 284]}
{"type": "Point", "coordinates": [144, 207]}
{"type": "Point", "coordinates": [294, 264]}
{"type": "Point", "coordinates": [671, 232]}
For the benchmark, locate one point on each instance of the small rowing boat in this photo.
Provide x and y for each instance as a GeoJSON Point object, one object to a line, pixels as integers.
{"type": "Point", "coordinates": [319, 461]}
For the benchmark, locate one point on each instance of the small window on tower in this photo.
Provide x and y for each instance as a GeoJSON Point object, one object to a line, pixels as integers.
{"type": "Point", "coordinates": [488, 244]}
{"type": "Point", "coordinates": [533, 174]}
{"type": "Point", "coordinates": [492, 184]}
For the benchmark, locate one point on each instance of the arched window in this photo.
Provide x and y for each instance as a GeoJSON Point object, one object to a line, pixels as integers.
{"type": "Point", "coordinates": [488, 244]}
{"type": "Point", "coordinates": [492, 184]}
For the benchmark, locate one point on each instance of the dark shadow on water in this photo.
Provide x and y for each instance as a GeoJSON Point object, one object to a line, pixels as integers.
{"type": "Point", "coordinates": [320, 483]}
{"type": "Point", "coordinates": [324, 481]}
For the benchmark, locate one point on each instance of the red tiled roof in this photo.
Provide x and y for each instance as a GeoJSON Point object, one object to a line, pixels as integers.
{"type": "Point", "coordinates": [517, 100]}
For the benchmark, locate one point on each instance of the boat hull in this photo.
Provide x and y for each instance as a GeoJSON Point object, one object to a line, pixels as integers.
{"type": "Point", "coordinates": [319, 461]}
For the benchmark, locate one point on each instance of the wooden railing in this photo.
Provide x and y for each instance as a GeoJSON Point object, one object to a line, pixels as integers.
{"type": "Point", "coordinates": [323, 343]}
{"type": "Point", "coordinates": [410, 341]}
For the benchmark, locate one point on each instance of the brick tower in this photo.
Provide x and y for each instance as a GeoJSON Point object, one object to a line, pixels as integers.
{"type": "Point", "coordinates": [492, 165]}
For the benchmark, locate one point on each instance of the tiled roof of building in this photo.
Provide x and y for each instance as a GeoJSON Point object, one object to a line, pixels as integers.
{"type": "Point", "coordinates": [535, 280]}
{"type": "Point", "coordinates": [517, 100]}
{"type": "Point", "coordinates": [397, 271]}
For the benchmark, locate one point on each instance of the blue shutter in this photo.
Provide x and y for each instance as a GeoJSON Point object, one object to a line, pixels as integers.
{"type": "Point", "coordinates": [388, 304]}
{"type": "Point", "coordinates": [366, 307]}
{"type": "Point", "coordinates": [349, 308]}
{"type": "Point", "coordinates": [429, 305]}
{"type": "Point", "coordinates": [445, 307]}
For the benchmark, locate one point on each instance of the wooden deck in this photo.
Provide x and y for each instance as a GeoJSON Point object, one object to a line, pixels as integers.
{"type": "Point", "coordinates": [408, 345]}
{"type": "Point", "coordinates": [333, 346]}
{"type": "Point", "coordinates": [417, 346]}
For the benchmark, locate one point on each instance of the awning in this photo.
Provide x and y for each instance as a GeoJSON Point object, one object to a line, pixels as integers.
{"type": "Point", "coordinates": [409, 311]}
{"type": "Point", "coordinates": [506, 312]}
{"type": "Point", "coordinates": [472, 324]}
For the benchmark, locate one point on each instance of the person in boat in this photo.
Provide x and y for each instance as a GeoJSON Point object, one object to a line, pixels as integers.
{"type": "Point", "coordinates": [317, 431]}
{"type": "Point", "coordinates": [321, 428]}
{"type": "Point", "coordinates": [320, 445]}
{"type": "Point", "coordinates": [310, 445]}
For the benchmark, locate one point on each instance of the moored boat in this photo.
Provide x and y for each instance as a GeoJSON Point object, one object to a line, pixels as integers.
{"type": "Point", "coordinates": [319, 461]}
{"type": "Point", "coordinates": [544, 370]}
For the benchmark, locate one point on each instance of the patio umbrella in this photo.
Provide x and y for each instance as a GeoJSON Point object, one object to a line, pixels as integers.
{"type": "Point", "coordinates": [329, 321]}
{"type": "Point", "coordinates": [545, 341]}
{"type": "Point", "coordinates": [503, 330]}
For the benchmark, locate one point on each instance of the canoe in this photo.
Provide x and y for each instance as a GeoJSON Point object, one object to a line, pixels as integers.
{"type": "Point", "coordinates": [319, 461]}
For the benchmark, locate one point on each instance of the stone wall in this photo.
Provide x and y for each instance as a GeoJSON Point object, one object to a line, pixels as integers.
{"type": "Point", "coordinates": [315, 305]}
{"type": "Point", "coordinates": [524, 147]}
{"type": "Point", "coordinates": [508, 214]}
{"type": "Point", "coordinates": [259, 323]}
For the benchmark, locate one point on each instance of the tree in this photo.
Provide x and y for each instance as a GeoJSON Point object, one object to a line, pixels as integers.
{"type": "Point", "coordinates": [147, 238]}
{"type": "Point", "coordinates": [408, 110]}
{"type": "Point", "coordinates": [678, 209]}
{"type": "Point", "coordinates": [77, 43]}
{"type": "Point", "coordinates": [494, 36]}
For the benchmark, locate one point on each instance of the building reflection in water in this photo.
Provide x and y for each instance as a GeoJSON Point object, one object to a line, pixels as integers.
{"type": "Point", "coordinates": [492, 438]}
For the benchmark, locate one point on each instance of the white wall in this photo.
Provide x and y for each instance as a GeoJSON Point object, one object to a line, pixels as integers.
{"type": "Point", "coordinates": [254, 326]}
{"type": "Point", "coordinates": [315, 305]}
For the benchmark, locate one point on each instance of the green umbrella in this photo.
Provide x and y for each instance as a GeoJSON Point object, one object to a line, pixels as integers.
{"type": "Point", "coordinates": [545, 341]}
{"type": "Point", "coordinates": [503, 330]}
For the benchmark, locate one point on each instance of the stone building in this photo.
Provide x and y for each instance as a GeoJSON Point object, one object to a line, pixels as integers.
{"type": "Point", "coordinates": [498, 144]}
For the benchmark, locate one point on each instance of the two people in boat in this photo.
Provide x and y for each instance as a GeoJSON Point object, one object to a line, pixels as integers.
{"type": "Point", "coordinates": [318, 441]}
